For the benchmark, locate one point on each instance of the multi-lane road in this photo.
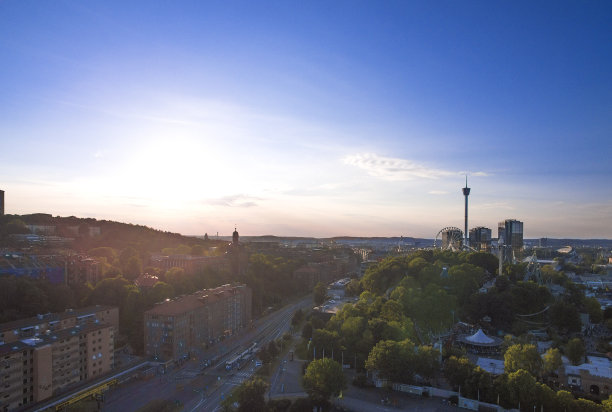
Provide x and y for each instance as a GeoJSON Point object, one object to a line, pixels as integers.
{"type": "Point", "coordinates": [198, 389]}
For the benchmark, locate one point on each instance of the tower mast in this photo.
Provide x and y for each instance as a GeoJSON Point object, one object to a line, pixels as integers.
{"type": "Point", "coordinates": [466, 193]}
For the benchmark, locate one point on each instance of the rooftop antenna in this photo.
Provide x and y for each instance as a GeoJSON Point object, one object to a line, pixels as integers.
{"type": "Point", "coordinates": [466, 193]}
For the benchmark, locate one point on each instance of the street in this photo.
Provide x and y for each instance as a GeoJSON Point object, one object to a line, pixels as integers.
{"type": "Point", "coordinates": [205, 389]}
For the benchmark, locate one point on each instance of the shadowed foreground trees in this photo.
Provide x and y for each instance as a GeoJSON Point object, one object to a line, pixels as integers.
{"type": "Point", "coordinates": [251, 396]}
{"type": "Point", "coordinates": [323, 378]}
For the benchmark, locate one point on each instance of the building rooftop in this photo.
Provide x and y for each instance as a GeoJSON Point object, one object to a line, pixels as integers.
{"type": "Point", "coordinates": [595, 365]}
{"type": "Point", "coordinates": [146, 281]}
{"type": "Point", "coordinates": [49, 338]}
{"type": "Point", "coordinates": [493, 366]}
{"type": "Point", "coordinates": [186, 303]}
{"type": "Point", "coordinates": [50, 317]}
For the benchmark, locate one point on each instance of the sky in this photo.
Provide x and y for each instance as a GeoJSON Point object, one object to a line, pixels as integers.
{"type": "Point", "coordinates": [317, 118]}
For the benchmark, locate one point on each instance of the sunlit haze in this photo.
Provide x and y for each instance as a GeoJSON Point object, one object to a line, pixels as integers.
{"type": "Point", "coordinates": [309, 118]}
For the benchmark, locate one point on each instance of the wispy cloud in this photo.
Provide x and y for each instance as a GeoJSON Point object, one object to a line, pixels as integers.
{"type": "Point", "coordinates": [233, 201]}
{"type": "Point", "coordinates": [391, 168]}
{"type": "Point", "coordinates": [494, 205]}
{"type": "Point", "coordinates": [437, 192]}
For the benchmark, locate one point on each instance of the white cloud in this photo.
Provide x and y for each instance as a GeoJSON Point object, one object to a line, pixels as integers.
{"type": "Point", "coordinates": [233, 201]}
{"type": "Point", "coordinates": [391, 168]}
{"type": "Point", "coordinates": [437, 192]}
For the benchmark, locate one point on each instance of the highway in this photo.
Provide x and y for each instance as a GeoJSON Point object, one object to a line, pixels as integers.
{"type": "Point", "coordinates": [198, 389]}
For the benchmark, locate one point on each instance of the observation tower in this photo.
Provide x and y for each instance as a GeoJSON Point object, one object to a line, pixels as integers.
{"type": "Point", "coordinates": [466, 193]}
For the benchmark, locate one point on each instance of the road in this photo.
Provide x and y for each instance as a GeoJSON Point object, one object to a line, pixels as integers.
{"type": "Point", "coordinates": [198, 390]}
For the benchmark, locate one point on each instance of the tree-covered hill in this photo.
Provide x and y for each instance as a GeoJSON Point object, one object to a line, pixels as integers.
{"type": "Point", "coordinates": [111, 234]}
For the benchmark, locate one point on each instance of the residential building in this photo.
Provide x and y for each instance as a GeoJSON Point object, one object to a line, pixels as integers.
{"type": "Point", "coordinates": [47, 267]}
{"type": "Point", "coordinates": [191, 264]}
{"type": "Point", "coordinates": [81, 269]}
{"type": "Point", "coordinates": [42, 356]}
{"type": "Point", "coordinates": [176, 328]}
{"type": "Point", "coordinates": [39, 325]}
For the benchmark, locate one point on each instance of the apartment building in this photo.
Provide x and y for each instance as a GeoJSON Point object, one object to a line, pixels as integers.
{"type": "Point", "coordinates": [39, 324]}
{"type": "Point", "coordinates": [176, 328]}
{"type": "Point", "coordinates": [36, 367]}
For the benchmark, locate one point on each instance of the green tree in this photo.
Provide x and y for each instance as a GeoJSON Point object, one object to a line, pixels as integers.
{"type": "Point", "coordinates": [16, 226]}
{"type": "Point", "coordinates": [280, 405]}
{"type": "Point", "coordinates": [319, 293]}
{"type": "Point", "coordinates": [251, 396]}
{"type": "Point", "coordinates": [197, 250]}
{"type": "Point", "coordinates": [323, 378]}
{"type": "Point", "coordinates": [106, 252]}
{"type": "Point", "coordinates": [426, 362]}
{"type": "Point", "coordinates": [325, 340]}
{"type": "Point", "coordinates": [464, 280]}
{"type": "Point", "coordinates": [607, 404]}
{"type": "Point", "coordinates": [354, 288]}
{"type": "Point", "coordinates": [298, 316]}
{"type": "Point", "coordinates": [524, 357]}
{"type": "Point", "coordinates": [307, 330]}
{"type": "Point", "coordinates": [565, 317]}
{"type": "Point", "coordinates": [393, 360]}
{"type": "Point", "coordinates": [522, 386]}
{"type": "Point", "coordinates": [264, 355]}
{"type": "Point", "coordinates": [575, 351]}
{"type": "Point", "coordinates": [391, 310]}
{"type": "Point", "coordinates": [125, 256]}
{"type": "Point", "coordinates": [593, 308]}
{"type": "Point", "coordinates": [457, 370]}
{"type": "Point", "coordinates": [160, 292]}
{"type": "Point", "coordinates": [273, 349]}
{"type": "Point", "coordinates": [133, 268]}
{"type": "Point", "coordinates": [586, 405]}
{"type": "Point", "coordinates": [566, 401]}
{"type": "Point", "coordinates": [301, 405]}
{"type": "Point", "coordinates": [378, 278]}
{"type": "Point", "coordinates": [180, 281]}
{"type": "Point", "coordinates": [552, 360]}
{"type": "Point", "coordinates": [485, 260]}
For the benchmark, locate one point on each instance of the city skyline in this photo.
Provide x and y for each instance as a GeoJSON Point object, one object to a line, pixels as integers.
{"type": "Point", "coordinates": [318, 119]}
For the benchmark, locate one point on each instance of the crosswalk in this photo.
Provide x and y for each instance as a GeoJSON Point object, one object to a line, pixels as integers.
{"type": "Point", "coordinates": [187, 374]}
{"type": "Point", "coordinates": [239, 377]}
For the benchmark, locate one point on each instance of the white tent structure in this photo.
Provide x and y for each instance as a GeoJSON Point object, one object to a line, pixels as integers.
{"type": "Point", "coordinates": [479, 342]}
{"type": "Point", "coordinates": [480, 338]}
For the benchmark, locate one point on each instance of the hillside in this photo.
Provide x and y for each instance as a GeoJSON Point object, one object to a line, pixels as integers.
{"type": "Point", "coordinates": [89, 233]}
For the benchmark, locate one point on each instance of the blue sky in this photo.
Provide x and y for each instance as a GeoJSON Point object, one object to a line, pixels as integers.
{"type": "Point", "coordinates": [309, 118]}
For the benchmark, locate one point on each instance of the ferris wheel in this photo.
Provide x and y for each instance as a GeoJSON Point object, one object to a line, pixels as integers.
{"type": "Point", "coordinates": [449, 238]}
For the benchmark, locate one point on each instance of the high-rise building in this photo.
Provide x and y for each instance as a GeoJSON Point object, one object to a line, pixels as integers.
{"type": "Point", "coordinates": [1, 202]}
{"type": "Point", "coordinates": [178, 328]}
{"type": "Point", "coordinates": [480, 238]}
{"type": "Point", "coordinates": [510, 236]}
